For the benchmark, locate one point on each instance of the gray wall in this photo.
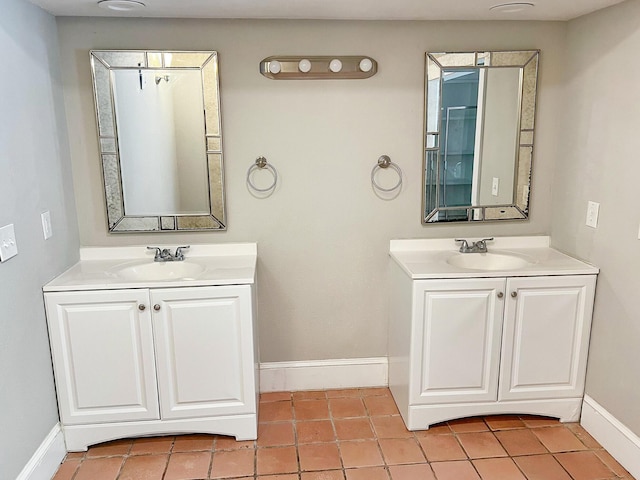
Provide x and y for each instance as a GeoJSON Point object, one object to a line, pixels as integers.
{"type": "Point", "coordinates": [600, 146]}
{"type": "Point", "coordinates": [34, 176]}
{"type": "Point", "coordinates": [323, 236]}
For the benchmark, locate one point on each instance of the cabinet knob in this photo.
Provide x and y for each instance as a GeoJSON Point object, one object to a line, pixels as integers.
{"type": "Point", "coordinates": [500, 294]}
{"type": "Point", "coordinates": [156, 307]}
{"type": "Point", "coordinates": [514, 294]}
{"type": "Point", "coordinates": [142, 307]}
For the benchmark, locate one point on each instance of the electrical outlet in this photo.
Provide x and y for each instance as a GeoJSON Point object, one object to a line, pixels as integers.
{"type": "Point", "coordinates": [8, 246]}
{"type": "Point", "coordinates": [592, 214]}
{"type": "Point", "coordinates": [494, 186]}
{"type": "Point", "coordinates": [46, 225]}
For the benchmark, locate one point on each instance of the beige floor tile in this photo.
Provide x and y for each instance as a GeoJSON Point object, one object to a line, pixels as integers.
{"type": "Point", "coordinates": [558, 439]}
{"type": "Point", "coordinates": [232, 463]}
{"type": "Point", "coordinates": [326, 475]}
{"type": "Point", "coordinates": [498, 469]}
{"type": "Point", "coordinates": [411, 472]}
{"type": "Point", "coordinates": [541, 467]}
{"type": "Point", "coordinates": [319, 456]}
{"type": "Point", "coordinates": [275, 434]}
{"type": "Point", "coordinates": [390, 427]}
{"type": "Point", "coordinates": [105, 468]}
{"type": "Point", "coordinates": [347, 407]}
{"type": "Point", "coordinates": [315, 431]}
{"type": "Point", "coordinates": [584, 466]}
{"type": "Point", "coordinates": [466, 425]}
{"type": "Point", "coordinates": [144, 467]}
{"type": "Point", "coordinates": [368, 473]}
{"type": "Point", "coordinates": [360, 454]}
{"type": "Point", "coordinates": [481, 445]}
{"type": "Point", "coordinates": [277, 460]}
{"type": "Point", "coordinates": [397, 451]}
{"type": "Point", "coordinates": [381, 405]}
{"type": "Point", "coordinates": [520, 442]}
{"type": "Point", "coordinates": [188, 466]}
{"type": "Point", "coordinates": [461, 470]}
{"type": "Point", "coordinates": [311, 410]}
{"type": "Point", "coordinates": [280, 411]}
{"type": "Point", "coordinates": [353, 428]}
{"type": "Point", "coordinates": [442, 448]}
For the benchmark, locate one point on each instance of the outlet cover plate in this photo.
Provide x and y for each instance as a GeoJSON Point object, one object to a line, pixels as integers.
{"type": "Point", "coordinates": [592, 214]}
{"type": "Point", "coordinates": [8, 246]}
{"type": "Point", "coordinates": [46, 225]}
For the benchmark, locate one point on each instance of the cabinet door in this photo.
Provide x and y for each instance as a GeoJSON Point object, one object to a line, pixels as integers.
{"type": "Point", "coordinates": [546, 337]}
{"type": "Point", "coordinates": [456, 340]}
{"type": "Point", "coordinates": [204, 345]}
{"type": "Point", "coordinates": [102, 349]}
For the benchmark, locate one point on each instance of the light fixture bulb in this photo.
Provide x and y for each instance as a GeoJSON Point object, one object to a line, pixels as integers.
{"type": "Point", "coordinates": [304, 65]}
{"type": "Point", "coordinates": [366, 65]}
{"type": "Point", "coordinates": [512, 7]}
{"type": "Point", "coordinates": [121, 5]}
{"type": "Point", "coordinates": [275, 67]}
{"type": "Point", "coordinates": [335, 65]}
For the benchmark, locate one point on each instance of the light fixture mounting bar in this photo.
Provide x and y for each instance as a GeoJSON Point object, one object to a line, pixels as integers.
{"type": "Point", "coordinates": [318, 67]}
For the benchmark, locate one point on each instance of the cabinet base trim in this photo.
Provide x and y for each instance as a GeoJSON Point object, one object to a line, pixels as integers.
{"type": "Point", "coordinates": [420, 417]}
{"type": "Point", "coordinates": [79, 437]}
{"type": "Point", "coordinates": [612, 434]}
{"type": "Point", "coordinates": [324, 374]}
{"type": "Point", "coordinates": [47, 458]}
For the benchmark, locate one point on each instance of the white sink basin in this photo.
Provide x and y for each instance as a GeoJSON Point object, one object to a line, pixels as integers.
{"type": "Point", "coordinates": [158, 271]}
{"type": "Point", "coordinates": [488, 261]}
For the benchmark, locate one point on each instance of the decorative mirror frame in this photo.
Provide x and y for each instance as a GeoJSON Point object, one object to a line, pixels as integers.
{"type": "Point", "coordinates": [527, 61]}
{"type": "Point", "coordinates": [103, 64]}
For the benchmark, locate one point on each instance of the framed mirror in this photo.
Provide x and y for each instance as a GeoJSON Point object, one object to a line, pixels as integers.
{"type": "Point", "coordinates": [479, 131]}
{"type": "Point", "coordinates": [160, 139]}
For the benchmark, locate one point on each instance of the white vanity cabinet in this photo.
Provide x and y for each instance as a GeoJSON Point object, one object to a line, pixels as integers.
{"type": "Point", "coordinates": [166, 359]}
{"type": "Point", "coordinates": [103, 356]}
{"type": "Point", "coordinates": [478, 343]}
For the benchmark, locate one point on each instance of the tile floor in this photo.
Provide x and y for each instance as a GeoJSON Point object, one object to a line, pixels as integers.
{"type": "Point", "coordinates": [355, 434]}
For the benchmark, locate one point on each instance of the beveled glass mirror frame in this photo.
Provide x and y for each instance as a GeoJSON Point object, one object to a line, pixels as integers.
{"type": "Point", "coordinates": [104, 63]}
{"type": "Point", "coordinates": [435, 65]}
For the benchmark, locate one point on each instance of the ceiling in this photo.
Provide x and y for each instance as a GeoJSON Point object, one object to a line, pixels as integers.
{"type": "Point", "coordinates": [334, 9]}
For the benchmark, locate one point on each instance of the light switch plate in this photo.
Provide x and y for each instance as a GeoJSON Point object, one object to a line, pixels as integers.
{"type": "Point", "coordinates": [592, 214]}
{"type": "Point", "coordinates": [46, 225]}
{"type": "Point", "coordinates": [494, 186]}
{"type": "Point", "coordinates": [8, 246]}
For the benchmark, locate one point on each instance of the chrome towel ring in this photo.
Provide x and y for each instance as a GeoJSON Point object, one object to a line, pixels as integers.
{"type": "Point", "coordinates": [385, 162]}
{"type": "Point", "coordinates": [261, 163]}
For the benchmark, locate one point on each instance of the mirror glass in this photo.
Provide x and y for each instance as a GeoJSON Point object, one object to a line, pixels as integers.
{"type": "Point", "coordinates": [160, 140]}
{"type": "Point", "coordinates": [480, 111]}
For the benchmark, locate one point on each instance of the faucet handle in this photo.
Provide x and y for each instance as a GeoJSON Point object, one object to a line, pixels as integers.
{"type": "Point", "coordinates": [158, 252]}
{"type": "Point", "coordinates": [179, 255]}
{"type": "Point", "coordinates": [464, 248]}
{"type": "Point", "coordinates": [483, 243]}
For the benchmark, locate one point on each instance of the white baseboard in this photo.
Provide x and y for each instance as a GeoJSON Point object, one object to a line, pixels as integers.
{"type": "Point", "coordinates": [45, 461]}
{"type": "Point", "coordinates": [324, 374]}
{"type": "Point", "coordinates": [619, 441]}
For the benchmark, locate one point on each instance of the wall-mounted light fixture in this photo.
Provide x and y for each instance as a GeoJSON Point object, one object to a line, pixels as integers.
{"type": "Point", "coordinates": [318, 68]}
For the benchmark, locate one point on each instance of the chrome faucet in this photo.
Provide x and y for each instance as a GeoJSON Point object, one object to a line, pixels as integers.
{"type": "Point", "coordinates": [476, 247]}
{"type": "Point", "coordinates": [165, 255]}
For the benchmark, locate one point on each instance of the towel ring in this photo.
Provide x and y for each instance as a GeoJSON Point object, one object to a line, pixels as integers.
{"type": "Point", "coordinates": [385, 162]}
{"type": "Point", "coordinates": [261, 163]}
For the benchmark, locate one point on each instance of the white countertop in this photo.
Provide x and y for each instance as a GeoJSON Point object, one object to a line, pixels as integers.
{"type": "Point", "coordinates": [427, 258]}
{"type": "Point", "coordinates": [223, 264]}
